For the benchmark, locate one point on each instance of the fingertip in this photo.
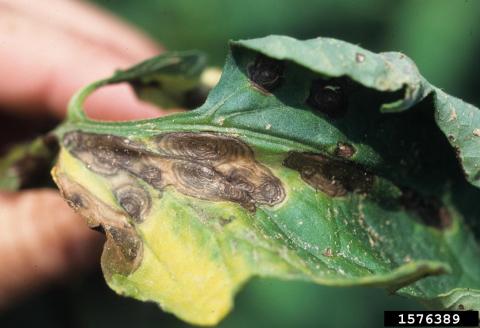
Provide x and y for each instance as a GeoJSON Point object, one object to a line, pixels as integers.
{"type": "Point", "coordinates": [42, 241]}
{"type": "Point", "coordinates": [119, 103]}
{"type": "Point", "coordinates": [41, 74]}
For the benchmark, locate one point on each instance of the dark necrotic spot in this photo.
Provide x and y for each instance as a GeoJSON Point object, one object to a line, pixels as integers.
{"type": "Point", "coordinates": [134, 200]}
{"type": "Point", "coordinates": [266, 73]}
{"type": "Point", "coordinates": [226, 220]}
{"type": "Point", "coordinates": [203, 146]}
{"type": "Point", "coordinates": [328, 97]}
{"type": "Point", "coordinates": [344, 150]}
{"type": "Point", "coordinates": [332, 176]}
{"type": "Point", "coordinates": [328, 252]}
{"type": "Point", "coordinates": [75, 201]}
{"type": "Point", "coordinates": [429, 209]}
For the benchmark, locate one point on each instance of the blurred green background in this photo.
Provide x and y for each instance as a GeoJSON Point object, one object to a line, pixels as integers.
{"type": "Point", "coordinates": [442, 37]}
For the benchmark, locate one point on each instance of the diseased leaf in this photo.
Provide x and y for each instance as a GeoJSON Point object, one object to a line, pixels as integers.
{"type": "Point", "coordinates": [172, 80]}
{"type": "Point", "coordinates": [25, 164]}
{"type": "Point", "coordinates": [314, 160]}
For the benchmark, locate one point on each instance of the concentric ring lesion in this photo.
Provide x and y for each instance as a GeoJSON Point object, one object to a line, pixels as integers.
{"type": "Point", "coordinates": [205, 165]}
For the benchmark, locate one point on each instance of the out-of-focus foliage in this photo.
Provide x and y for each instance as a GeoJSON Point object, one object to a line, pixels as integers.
{"type": "Point", "coordinates": [91, 304]}
{"type": "Point", "coordinates": [441, 36]}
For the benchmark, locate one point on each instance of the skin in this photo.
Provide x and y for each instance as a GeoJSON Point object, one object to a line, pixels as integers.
{"type": "Point", "coordinates": [46, 54]}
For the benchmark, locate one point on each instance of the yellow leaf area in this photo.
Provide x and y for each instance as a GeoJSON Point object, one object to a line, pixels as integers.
{"type": "Point", "coordinates": [196, 253]}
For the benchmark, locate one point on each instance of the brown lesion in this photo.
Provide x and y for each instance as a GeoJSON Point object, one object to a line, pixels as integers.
{"type": "Point", "coordinates": [329, 97]}
{"type": "Point", "coordinates": [134, 199]}
{"type": "Point", "coordinates": [266, 73]}
{"type": "Point", "coordinates": [123, 249]}
{"type": "Point", "coordinates": [211, 147]}
{"type": "Point", "coordinates": [345, 150]}
{"type": "Point", "coordinates": [335, 177]}
{"type": "Point", "coordinates": [204, 165]}
{"type": "Point", "coordinates": [431, 211]}
{"type": "Point", "coordinates": [104, 154]}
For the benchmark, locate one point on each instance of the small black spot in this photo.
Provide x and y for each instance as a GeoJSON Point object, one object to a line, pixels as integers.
{"type": "Point", "coordinates": [266, 73]}
{"type": "Point", "coordinates": [76, 201]}
{"type": "Point", "coordinates": [328, 252]}
{"type": "Point", "coordinates": [224, 221]}
{"type": "Point", "coordinates": [328, 97]}
{"type": "Point", "coordinates": [344, 150]}
{"type": "Point", "coordinates": [461, 307]}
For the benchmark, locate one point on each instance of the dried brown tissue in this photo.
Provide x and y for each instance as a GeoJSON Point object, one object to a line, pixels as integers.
{"type": "Point", "coordinates": [205, 165]}
{"type": "Point", "coordinates": [123, 249]}
{"type": "Point", "coordinates": [333, 176]}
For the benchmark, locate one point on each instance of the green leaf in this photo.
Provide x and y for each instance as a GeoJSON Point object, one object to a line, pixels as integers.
{"type": "Point", "coordinates": [167, 82]}
{"type": "Point", "coordinates": [172, 80]}
{"type": "Point", "coordinates": [315, 160]}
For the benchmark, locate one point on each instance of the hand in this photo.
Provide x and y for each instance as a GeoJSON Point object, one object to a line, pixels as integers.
{"type": "Point", "coordinates": [47, 52]}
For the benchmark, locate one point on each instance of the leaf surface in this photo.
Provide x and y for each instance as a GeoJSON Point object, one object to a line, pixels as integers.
{"type": "Point", "coordinates": [315, 160]}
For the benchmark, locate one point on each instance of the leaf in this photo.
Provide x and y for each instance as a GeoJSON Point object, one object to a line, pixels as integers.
{"type": "Point", "coordinates": [171, 80]}
{"type": "Point", "coordinates": [315, 160]}
{"type": "Point", "coordinates": [24, 164]}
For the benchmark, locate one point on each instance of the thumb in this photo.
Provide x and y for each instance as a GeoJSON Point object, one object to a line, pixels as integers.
{"type": "Point", "coordinates": [48, 55]}
{"type": "Point", "coordinates": [42, 240]}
